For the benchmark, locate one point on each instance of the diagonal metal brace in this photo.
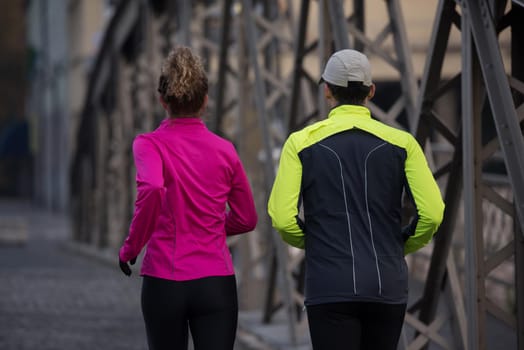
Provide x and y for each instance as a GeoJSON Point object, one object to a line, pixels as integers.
{"type": "Point", "coordinates": [499, 94]}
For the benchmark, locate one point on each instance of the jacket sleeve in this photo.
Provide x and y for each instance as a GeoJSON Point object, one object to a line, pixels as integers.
{"type": "Point", "coordinates": [426, 196]}
{"type": "Point", "coordinates": [242, 216]}
{"type": "Point", "coordinates": [284, 198]}
{"type": "Point", "coordinates": [149, 197]}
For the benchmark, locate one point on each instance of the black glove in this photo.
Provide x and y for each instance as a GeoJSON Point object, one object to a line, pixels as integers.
{"type": "Point", "coordinates": [125, 267]}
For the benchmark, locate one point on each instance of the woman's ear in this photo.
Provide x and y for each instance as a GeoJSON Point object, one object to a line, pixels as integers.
{"type": "Point", "coordinates": [162, 102]}
{"type": "Point", "coordinates": [203, 108]}
{"type": "Point", "coordinates": [206, 100]}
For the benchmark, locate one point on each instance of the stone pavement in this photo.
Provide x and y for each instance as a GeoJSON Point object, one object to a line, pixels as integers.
{"type": "Point", "coordinates": [55, 296]}
{"type": "Point", "coordinates": [51, 299]}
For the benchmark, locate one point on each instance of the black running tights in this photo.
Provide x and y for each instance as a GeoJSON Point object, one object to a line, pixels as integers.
{"type": "Point", "coordinates": [207, 306]}
{"type": "Point", "coordinates": [355, 325]}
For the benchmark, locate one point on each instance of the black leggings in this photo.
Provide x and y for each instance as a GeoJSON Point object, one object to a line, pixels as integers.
{"type": "Point", "coordinates": [355, 325]}
{"type": "Point", "coordinates": [208, 306]}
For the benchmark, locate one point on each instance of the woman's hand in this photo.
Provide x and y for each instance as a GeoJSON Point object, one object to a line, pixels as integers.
{"type": "Point", "coordinates": [125, 267]}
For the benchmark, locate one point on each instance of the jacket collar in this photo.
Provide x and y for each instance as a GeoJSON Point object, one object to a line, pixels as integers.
{"type": "Point", "coordinates": [170, 122]}
{"type": "Point", "coordinates": [351, 111]}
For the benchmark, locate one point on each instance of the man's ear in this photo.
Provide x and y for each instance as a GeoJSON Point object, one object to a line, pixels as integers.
{"type": "Point", "coordinates": [327, 92]}
{"type": "Point", "coordinates": [371, 91]}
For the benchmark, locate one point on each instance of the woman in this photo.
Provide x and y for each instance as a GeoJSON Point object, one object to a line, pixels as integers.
{"type": "Point", "coordinates": [186, 178]}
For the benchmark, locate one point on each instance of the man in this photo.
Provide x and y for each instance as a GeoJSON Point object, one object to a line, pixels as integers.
{"type": "Point", "coordinates": [349, 173]}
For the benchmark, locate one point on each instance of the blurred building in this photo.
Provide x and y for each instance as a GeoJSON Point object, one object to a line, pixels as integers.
{"type": "Point", "coordinates": [63, 37]}
{"type": "Point", "coordinates": [15, 159]}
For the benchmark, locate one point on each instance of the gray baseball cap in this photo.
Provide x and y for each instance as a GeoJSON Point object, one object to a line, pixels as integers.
{"type": "Point", "coordinates": [345, 66]}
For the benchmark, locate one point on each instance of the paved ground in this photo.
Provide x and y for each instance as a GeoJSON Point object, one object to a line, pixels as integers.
{"type": "Point", "coordinates": [55, 295]}
{"type": "Point", "coordinates": [53, 299]}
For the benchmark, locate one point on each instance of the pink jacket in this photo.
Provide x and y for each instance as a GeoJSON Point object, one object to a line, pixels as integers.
{"type": "Point", "coordinates": [187, 178]}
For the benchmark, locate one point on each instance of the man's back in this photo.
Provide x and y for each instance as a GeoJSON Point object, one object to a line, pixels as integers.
{"type": "Point", "coordinates": [352, 188]}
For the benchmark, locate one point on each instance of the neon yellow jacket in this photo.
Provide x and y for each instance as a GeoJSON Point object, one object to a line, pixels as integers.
{"type": "Point", "coordinates": [350, 173]}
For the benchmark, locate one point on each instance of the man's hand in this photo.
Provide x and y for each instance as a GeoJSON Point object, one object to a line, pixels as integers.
{"type": "Point", "coordinates": [125, 267]}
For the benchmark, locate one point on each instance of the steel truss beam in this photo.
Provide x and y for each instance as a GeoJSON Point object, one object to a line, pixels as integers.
{"type": "Point", "coordinates": [429, 92]}
{"type": "Point", "coordinates": [481, 69]}
{"type": "Point", "coordinates": [262, 106]}
{"type": "Point", "coordinates": [499, 93]}
{"type": "Point", "coordinates": [263, 39]}
{"type": "Point", "coordinates": [481, 22]}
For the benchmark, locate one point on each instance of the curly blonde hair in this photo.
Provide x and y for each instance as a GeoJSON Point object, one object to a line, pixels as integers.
{"type": "Point", "coordinates": [183, 83]}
